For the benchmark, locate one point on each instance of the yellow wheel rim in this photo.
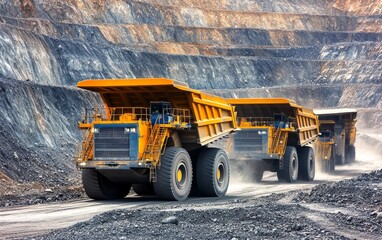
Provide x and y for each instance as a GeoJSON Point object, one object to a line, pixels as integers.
{"type": "Point", "coordinates": [179, 175]}
{"type": "Point", "coordinates": [218, 174]}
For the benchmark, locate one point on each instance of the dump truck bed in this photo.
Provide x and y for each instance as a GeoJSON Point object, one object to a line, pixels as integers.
{"type": "Point", "coordinates": [346, 117]}
{"type": "Point", "coordinates": [335, 112]}
{"type": "Point", "coordinates": [306, 121]}
{"type": "Point", "coordinates": [211, 116]}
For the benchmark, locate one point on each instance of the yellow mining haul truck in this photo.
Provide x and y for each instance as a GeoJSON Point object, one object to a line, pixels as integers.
{"type": "Point", "coordinates": [338, 135]}
{"type": "Point", "coordinates": [275, 135]}
{"type": "Point", "coordinates": [325, 147]}
{"type": "Point", "coordinates": [152, 135]}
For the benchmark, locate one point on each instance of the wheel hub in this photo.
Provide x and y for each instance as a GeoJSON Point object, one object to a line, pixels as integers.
{"type": "Point", "coordinates": [220, 173]}
{"type": "Point", "coordinates": [181, 175]}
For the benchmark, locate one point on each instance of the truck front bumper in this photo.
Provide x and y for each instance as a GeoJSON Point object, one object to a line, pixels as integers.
{"type": "Point", "coordinates": [123, 165]}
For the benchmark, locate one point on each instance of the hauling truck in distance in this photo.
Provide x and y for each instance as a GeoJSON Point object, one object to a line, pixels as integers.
{"type": "Point", "coordinates": [280, 136]}
{"type": "Point", "coordinates": [152, 135]}
{"type": "Point", "coordinates": [335, 145]}
{"type": "Point", "coordinates": [275, 135]}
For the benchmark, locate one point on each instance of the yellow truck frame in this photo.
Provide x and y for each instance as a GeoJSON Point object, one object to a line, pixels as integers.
{"type": "Point", "coordinates": [325, 146]}
{"type": "Point", "coordinates": [152, 134]}
{"type": "Point", "coordinates": [340, 125]}
{"type": "Point", "coordinates": [275, 135]}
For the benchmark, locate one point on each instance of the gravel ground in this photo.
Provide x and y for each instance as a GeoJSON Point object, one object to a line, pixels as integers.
{"type": "Point", "coordinates": [350, 209]}
{"type": "Point", "coordinates": [363, 192]}
{"type": "Point", "coordinates": [43, 196]}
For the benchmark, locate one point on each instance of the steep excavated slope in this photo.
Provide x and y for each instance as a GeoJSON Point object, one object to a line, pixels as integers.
{"type": "Point", "coordinates": [135, 38]}
{"type": "Point", "coordinates": [155, 26]}
{"type": "Point", "coordinates": [319, 53]}
{"type": "Point", "coordinates": [38, 135]}
{"type": "Point", "coordinates": [52, 61]}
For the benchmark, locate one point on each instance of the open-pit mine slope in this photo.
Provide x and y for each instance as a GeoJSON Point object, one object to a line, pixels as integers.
{"type": "Point", "coordinates": [317, 52]}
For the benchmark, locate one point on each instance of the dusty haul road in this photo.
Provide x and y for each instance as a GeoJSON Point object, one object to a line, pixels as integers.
{"type": "Point", "coordinates": [27, 221]}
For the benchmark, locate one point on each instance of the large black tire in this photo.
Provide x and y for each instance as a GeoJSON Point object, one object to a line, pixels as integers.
{"type": "Point", "coordinates": [99, 187]}
{"type": "Point", "coordinates": [340, 160]}
{"type": "Point", "coordinates": [194, 160]}
{"type": "Point", "coordinates": [144, 189]}
{"type": "Point", "coordinates": [258, 172]}
{"type": "Point", "coordinates": [289, 172]}
{"type": "Point", "coordinates": [258, 175]}
{"type": "Point", "coordinates": [325, 165]}
{"type": "Point", "coordinates": [350, 154]}
{"type": "Point", "coordinates": [280, 175]}
{"type": "Point", "coordinates": [332, 160]}
{"type": "Point", "coordinates": [332, 163]}
{"type": "Point", "coordinates": [212, 172]}
{"type": "Point", "coordinates": [246, 170]}
{"type": "Point", "coordinates": [306, 164]}
{"type": "Point", "coordinates": [174, 176]}
{"type": "Point", "coordinates": [329, 165]}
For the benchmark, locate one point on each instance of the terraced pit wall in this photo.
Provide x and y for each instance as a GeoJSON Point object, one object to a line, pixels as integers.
{"type": "Point", "coordinates": [318, 53]}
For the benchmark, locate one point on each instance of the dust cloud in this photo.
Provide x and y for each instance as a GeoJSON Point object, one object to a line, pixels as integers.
{"type": "Point", "coordinates": [368, 157]}
{"type": "Point", "coordinates": [369, 149]}
{"type": "Point", "coordinates": [242, 171]}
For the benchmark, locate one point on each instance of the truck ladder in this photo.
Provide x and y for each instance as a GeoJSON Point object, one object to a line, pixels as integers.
{"type": "Point", "coordinates": [153, 150]}
{"type": "Point", "coordinates": [279, 142]}
{"type": "Point", "coordinates": [153, 173]}
{"type": "Point", "coordinates": [158, 137]}
{"type": "Point", "coordinates": [86, 145]}
{"type": "Point", "coordinates": [155, 143]}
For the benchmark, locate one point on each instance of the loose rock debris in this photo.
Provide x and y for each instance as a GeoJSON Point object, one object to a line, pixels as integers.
{"type": "Point", "coordinates": [270, 217]}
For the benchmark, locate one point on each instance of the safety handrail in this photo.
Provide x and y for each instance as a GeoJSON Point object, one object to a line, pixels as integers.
{"type": "Point", "coordinates": [324, 138]}
{"type": "Point", "coordinates": [263, 121]}
{"type": "Point", "coordinates": [116, 114]}
{"type": "Point", "coordinates": [155, 142]}
{"type": "Point", "coordinates": [255, 121]}
{"type": "Point", "coordinates": [84, 147]}
{"type": "Point", "coordinates": [182, 115]}
{"type": "Point", "coordinates": [132, 113]}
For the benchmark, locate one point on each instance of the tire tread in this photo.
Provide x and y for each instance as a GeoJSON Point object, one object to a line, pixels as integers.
{"type": "Point", "coordinates": [162, 187]}
{"type": "Point", "coordinates": [205, 173]}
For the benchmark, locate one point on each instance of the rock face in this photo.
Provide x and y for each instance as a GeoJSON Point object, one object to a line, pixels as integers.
{"type": "Point", "coordinates": [319, 53]}
{"type": "Point", "coordinates": [236, 45]}
{"type": "Point", "coordinates": [38, 134]}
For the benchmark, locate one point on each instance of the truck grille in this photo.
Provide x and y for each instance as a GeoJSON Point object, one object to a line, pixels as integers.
{"type": "Point", "coordinates": [111, 143]}
{"type": "Point", "coordinates": [251, 141]}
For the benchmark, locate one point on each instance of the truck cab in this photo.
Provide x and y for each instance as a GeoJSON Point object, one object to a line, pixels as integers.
{"type": "Point", "coordinates": [161, 112]}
